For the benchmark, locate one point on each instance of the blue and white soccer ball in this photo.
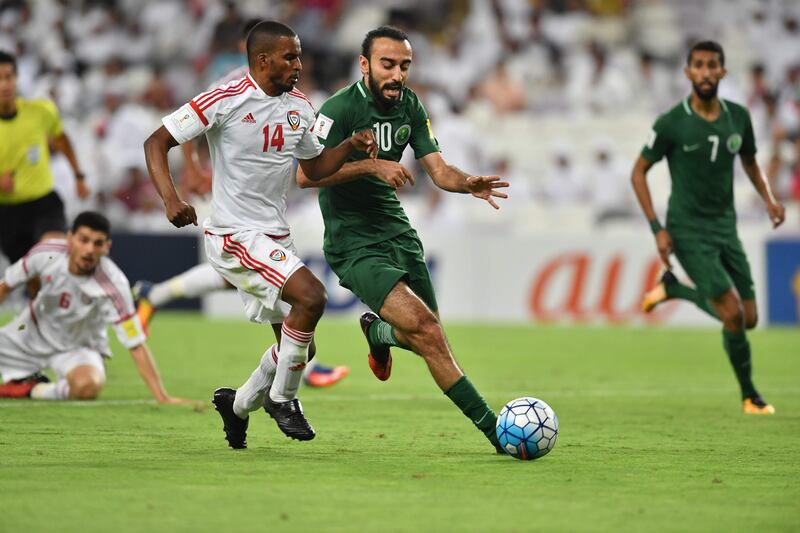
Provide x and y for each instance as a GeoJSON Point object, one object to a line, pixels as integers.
{"type": "Point", "coordinates": [527, 428]}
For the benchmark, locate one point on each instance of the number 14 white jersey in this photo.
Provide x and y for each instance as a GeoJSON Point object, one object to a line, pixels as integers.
{"type": "Point", "coordinates": [253, 139]}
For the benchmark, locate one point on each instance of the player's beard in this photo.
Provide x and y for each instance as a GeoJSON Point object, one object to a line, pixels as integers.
{"type": "Point", "coordinates": [707, 94]}
{"type": "Point", "coordinates": [377, 90]}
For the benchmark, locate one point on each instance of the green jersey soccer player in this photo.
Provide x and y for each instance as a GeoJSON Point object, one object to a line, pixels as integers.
{"type": "Point", "coordinates": [701, 137]}
{"type": "Point", "coordinates": [369, 242]}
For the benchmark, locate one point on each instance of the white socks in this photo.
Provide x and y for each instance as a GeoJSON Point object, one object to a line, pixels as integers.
{"type": "Point", "coordinates": [292, 358]}
{"type": "Point", "coordinates": [250, 396]}
{"type": "Point", "coordinates": [310, 365]}
{"type": "Point", "coordinates": [51, 391]}
{"type": "Point", "coordinates": [197, 281]}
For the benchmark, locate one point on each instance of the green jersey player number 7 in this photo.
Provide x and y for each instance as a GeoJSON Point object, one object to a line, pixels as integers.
{"type": "Point", "coordinates": [700, 138]}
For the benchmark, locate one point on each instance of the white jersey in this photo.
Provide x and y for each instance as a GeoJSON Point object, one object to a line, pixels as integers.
{"type": "Point", "coordinates": [72, 312]}
{"type": "Point", "coordinates": [253, 139]}
{"type": "Point", "coordinates": [234, 75]}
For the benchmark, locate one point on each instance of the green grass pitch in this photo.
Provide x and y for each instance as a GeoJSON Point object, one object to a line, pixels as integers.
{"type": "Point", "coordinates": [651, 439]}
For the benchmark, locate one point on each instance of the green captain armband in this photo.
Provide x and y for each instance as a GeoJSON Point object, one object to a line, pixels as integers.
{"type": "Point", "coordinates": [655, 226]}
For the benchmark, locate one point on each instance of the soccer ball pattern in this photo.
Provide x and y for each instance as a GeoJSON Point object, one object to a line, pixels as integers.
{"type": "Point", "coordinates": [527, 428]}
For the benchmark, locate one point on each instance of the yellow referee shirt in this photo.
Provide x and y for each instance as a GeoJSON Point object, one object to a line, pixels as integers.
{"type": "Point", "coordinates": [24, 149]}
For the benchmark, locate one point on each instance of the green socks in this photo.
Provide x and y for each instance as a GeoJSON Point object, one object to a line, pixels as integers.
{"type": "Point", "coordinates": [474, 407]}
{"type": "Point", "coordinates": [683, 292]}
{"type": "Point", "coordinates": [738, 349]}
{"type": "Point", "coordinates": [381, 332]}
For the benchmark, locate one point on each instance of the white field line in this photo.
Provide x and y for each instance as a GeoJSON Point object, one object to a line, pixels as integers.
{"type": "Point", "coordinates": [544, 394]}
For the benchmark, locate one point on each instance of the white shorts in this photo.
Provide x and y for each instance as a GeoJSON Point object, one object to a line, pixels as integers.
{"type": "Point", "coordinates": [258, 266]}
{"type": "Point", "coordinates": [16, 362]}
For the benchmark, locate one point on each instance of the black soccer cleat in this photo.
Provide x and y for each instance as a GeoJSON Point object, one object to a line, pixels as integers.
{"type": "Point", "coordinates": [235, 428]}
{"type": "Point", "coordinates": [380, 357]}
{"type": "Point", "coordinates": [290, 419]}
{"type": "Point", "coordinates": [668, 278]}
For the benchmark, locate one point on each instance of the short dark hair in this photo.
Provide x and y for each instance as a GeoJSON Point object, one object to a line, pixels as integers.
{"type": "Point", "coordinates": [707, 46]}
{"type": "Point", "coordinates": [384, 31]}
{"type": "Point", "coordinates": [249, 25]}
{"type": "Point", "coordinates": [92, 220]}
{"type": "Point", "coordinates": [8, 59]}
{"type": "Point", "coordinates": [262, 37]}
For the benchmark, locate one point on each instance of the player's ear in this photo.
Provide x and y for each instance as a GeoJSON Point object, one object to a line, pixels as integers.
{"type": "Point", "coordinates": [363, 63]}
{"type": "Point", "coordinates": [687, 73]}
{"type": "Point", "coordinates": [108, 247]}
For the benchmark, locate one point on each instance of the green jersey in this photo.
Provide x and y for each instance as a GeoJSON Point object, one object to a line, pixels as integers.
{"type": "Point", "coordinates": [701, 155]}
{"type": "Point", "coordinates": [367, 211]}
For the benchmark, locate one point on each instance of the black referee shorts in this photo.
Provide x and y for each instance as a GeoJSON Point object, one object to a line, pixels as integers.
{"type": "Point", "coordinates": [22, 225]}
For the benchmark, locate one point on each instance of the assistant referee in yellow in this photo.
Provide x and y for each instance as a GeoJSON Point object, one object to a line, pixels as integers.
{"type": "Point", "coordinates": [30, 210]}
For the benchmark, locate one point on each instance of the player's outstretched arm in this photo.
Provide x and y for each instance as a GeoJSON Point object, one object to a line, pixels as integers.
{"type": "Point", "coordinates": [449, 178]}
{"type": "Point", "coordinates": [63, 145]}
{"type": "Point", "coordinates": [393, 174]}
{"type": "Point", "coordinates": [332, 159]}
{"type": "Point", "coordinates": [639, 182]}
{"type": "Point", "coordinates": [156, 147]}
{"type": "Point", "coordinates": [147, 369]}
{"type": "Point", "coordinates": [777, 214]}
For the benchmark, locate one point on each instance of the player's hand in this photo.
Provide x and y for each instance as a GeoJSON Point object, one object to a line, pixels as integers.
{"type": "Point", "coordinates": [364, 141]}
{"type": "Point", "coordinates": [81, 189]}
{"type": "Point", "coordinates": [7, 182]}
{"type": "Point", "coordinates": [485, 188]}
{"type": "Point", "coordinates": [172, 400]}
{"type": "Point", "coordinates": [664, 245]}
{"type": "Point", "coordinates": [393, 174]}
{"type": "Point", "coordinates": [180, 213]}
{"type": "Point", "coordinates": [777, 213]}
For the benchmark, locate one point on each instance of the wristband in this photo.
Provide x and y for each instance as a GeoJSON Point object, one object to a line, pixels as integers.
{"type": "Point", "coordinates": [655, 226]}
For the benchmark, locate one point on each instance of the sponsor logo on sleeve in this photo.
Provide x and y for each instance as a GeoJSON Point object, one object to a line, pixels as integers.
{"type": "Point", "coordinates": [130, 329]}
{"type": "Point", "coordinates": [294, 119]}
{"type": "Point", "coordinates": [430, 130]}
{"type": "Point", "coordinates": [322, 127]}
{"type": "Point", "coordinates": [183, 118]}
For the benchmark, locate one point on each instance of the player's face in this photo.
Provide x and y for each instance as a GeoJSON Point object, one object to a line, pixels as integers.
{"type": "Point", "coordinates": [86, 247]}
{"type": "Point", "coordinates": [8, 83]}
{"type": "Point", "coordinates": [283, 64]}
{"type": "Point", "coordinates": [387, 69]}
{"type": "Point", "coordinates": [705, 72]}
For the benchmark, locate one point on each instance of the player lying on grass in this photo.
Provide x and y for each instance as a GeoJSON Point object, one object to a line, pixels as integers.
{"type": "Point", "coordinates": [369, 241]}
{"type": "Point", "coordinates": [64, 327]}
{"type": "Point", "coordinates": [701, 137]}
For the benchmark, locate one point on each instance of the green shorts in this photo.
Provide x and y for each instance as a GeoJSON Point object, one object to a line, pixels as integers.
{"type": "Point", "coordinates": [372, 271]}
{"type": "Point", "coordinates": [715, 265]}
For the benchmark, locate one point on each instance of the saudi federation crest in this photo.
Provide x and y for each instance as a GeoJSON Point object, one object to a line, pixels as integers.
{"type": "Point", "coordinates": [402, 134]}
{"type": "Point", "coordinates": [294, 119]}
{"type": "Point", "coordinates": [734, 143]}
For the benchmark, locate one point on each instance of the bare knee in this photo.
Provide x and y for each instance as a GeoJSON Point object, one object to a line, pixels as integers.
{"type": "Point", "coordinates": [85, 383]}
{"type": "Point", "coordinates": [427, 332]}
{"type": "Point", "coordinates": [751, 321]}
{"type": "Point", "coordinates": [313, 300]}
{"type": "Point", "coordinates": [732, 318]}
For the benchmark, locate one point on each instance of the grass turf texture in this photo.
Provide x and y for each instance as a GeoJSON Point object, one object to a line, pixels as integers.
{"type": "Point", "coordinates": [652, 438]}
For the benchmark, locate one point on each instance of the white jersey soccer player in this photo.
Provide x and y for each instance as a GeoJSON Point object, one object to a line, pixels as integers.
{"type": "Point", "coordinates": [64, 327]}
{"type": "Point", "coordinates": [256, 126]}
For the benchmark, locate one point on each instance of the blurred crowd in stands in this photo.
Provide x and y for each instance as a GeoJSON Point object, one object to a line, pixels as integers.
{"type": "Point", "coordinates": [556, 95]}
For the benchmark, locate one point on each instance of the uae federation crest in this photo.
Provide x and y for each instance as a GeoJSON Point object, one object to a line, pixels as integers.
{"type": "Point", "coordinates": [293, 117]}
